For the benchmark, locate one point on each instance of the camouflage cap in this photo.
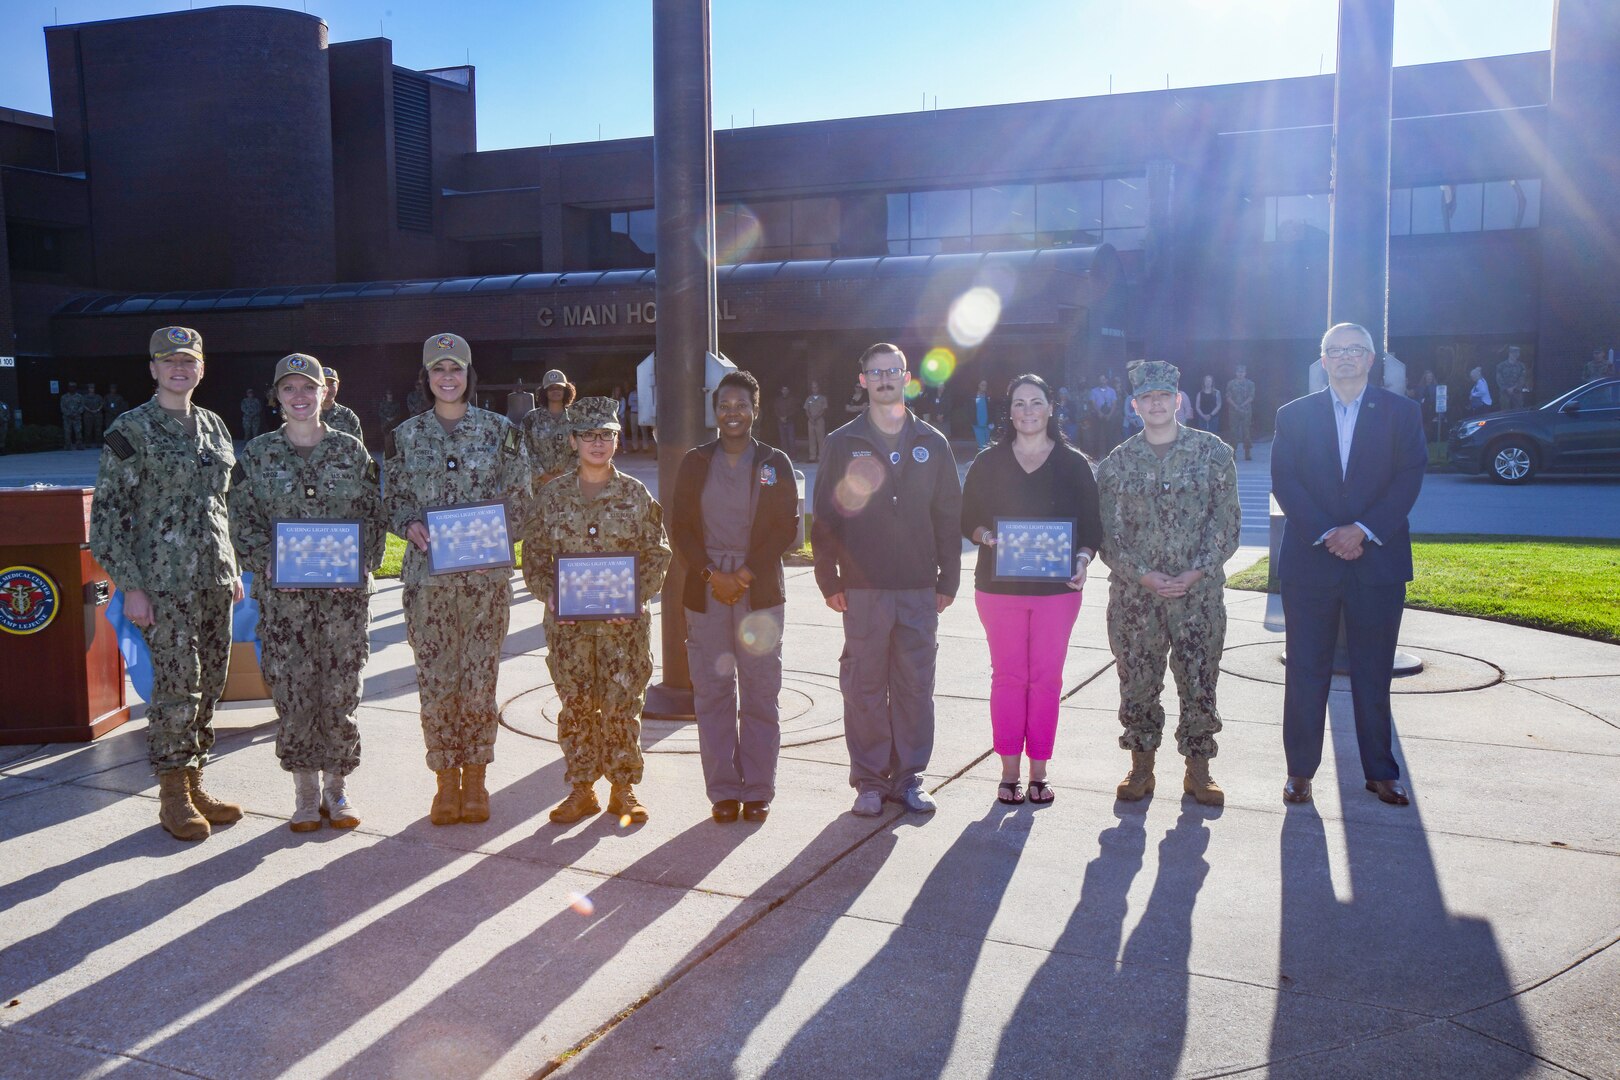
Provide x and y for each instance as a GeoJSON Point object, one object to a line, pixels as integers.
{"type": "Point", "coordinates": [1150, 375]}
{"type": "Point", "coordinates": [176, 339]}
{"type": "Point", "coordinates": [553, 378]}
{"type": "Point", "coordinates": [299, 364]}
{"type": "Point", "coordinates": [446, 347]}
{"type": "Point", "coordinates": [594, 414]}
{"type": "Point", "coordinates": [331, 374]}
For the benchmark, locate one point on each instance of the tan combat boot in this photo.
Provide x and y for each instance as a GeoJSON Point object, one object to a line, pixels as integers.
{"type": "Point", "coordinates": [217, 812]}
{"type": "Point", "coordinates": [175, 811]}
{"type": "Point", "coordinates": [474, 796]}
{"type": "Point", "coordinates": [1139, 781]}
{"type": "Point", "coordinates": [622, 803]}
{"type": "Point", "coordinates": [1200, 785]}
{"type": "Point", "coordinates": [447, 800]}
{"type": "Point", "coordinates": [307, 809]}
{"type": "Point", "coordinates": [581, 802]}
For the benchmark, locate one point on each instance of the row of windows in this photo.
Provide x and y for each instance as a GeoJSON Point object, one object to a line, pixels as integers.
{"type": "Point", "coordinates": [1065, 213]}
{"type": "Point", "coordinates": [1441, 208]}
{"type": "Point", "coordinates": [769, 231]}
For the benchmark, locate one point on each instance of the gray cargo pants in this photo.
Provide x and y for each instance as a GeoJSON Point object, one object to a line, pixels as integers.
{"type": "Point", "coordinates": [891, 639]}
{"type": "Point", "coordinates": [735, 654]}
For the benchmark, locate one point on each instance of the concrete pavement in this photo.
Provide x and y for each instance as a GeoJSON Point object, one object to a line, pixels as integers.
{"type": "Point", "coordinates": [1470, 934]}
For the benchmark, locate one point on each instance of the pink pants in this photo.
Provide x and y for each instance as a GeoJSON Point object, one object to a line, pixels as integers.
{"type": "Point", "coordinates": [1029, 638]}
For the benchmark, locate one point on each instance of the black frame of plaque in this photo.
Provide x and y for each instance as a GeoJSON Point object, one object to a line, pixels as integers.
{"type": "Point", "coordinates": [359, 582]}
{"type": "Point", "coordinates": [494, 564]}
{"type": "Point", "coordinates": [1000, 576]}
{"type": "Point", "coordinates": [635, 577]}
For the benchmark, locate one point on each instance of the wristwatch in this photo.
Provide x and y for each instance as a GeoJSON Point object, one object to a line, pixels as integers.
{"type": "Point", "coordinates": [709, 571]}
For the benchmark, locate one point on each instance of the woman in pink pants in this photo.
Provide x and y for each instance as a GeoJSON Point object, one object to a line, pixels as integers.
{"type": "Point", "coordinates": [1018, 496]}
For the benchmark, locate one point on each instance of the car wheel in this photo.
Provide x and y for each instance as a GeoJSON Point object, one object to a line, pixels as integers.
{"type": "Point", "coordinates": [1512, 462]}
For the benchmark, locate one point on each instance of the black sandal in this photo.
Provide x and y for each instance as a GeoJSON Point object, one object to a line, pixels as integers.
{"type": "Point", "coordinates": [1017, 790]}
{"type": "Point", "coordinates": [1041, 793]}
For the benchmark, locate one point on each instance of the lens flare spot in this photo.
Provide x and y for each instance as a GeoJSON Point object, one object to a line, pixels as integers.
{"type": "Point", "coordinates": [863, 478]}
{"type": "Point", "coordinates": [624, 821]}
{"type": "Point", "coordinates": [581, 904]}
{"type": "Point", "coordinates": [938, 366]}
{"type": "Point", "coordinates": [725, 665]}
{"type": "Point", "coordinates": [737, 232]}
{"type": "Point", "coordinates": [759, 633]}
{"type": "Point", "coordinates": [914, 388]}
{"type": "Point", "coordinates": [973, 316]}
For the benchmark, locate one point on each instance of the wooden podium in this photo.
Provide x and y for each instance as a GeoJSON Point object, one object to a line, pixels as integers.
{"type": "Point", "coordinates": [59, 661]}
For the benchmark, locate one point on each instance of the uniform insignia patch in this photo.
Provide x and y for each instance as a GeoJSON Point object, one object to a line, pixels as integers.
{"type": "Point", "coordinates": [894, 457]}
{"type": "Point", "coordinates": [372, 473]}
{"type": "Point", "coordinates": [919, 454]}
{"type": "Point", "coordinates": [309, 491]}
{"type": "Point", "coordinates": [511, 442]}
{"type": "Point", "coordinates": [767, 475]}
{"type": "Point", "coordinates": [238, 475]}
{"type": "Point", "coordinates": [179, 336]}
{"type": "Point", "coordinates": [860, 453]}
{"type": "Point", "coordinates": [445, 342]}
{"type": "Point", "coordinates": [119, 445]}
{"type": "Point", "coordinates": [451, 463]}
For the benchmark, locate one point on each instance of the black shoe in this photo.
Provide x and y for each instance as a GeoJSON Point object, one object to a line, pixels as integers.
{"type": "Point", "coordinates": [756, 811]}
{"type": "Point", "coordinates": [725, 811]}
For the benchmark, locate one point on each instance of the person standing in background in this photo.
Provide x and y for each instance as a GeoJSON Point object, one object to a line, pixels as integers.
{"type": "Point", "coordinates": [1208, 405]}
{"type": "Point", "coordinates": [1240, 411]}
{"type": "Point", "coordinates": [784, 410]}
{"type": "Point", "coordinates": [72, 407]}
{"type": "Point", "coordinates": [1510, 379]}
{"type": "Point", "coordinates": [335, 416]}
{"type": "Point", "coordinates": [91, 403]}
{"type": "Point", "coordinates": [252, 415]}
{"type": "Point", "coordinates": [546, 429]}
{"type": "Point", "coordinates": [1479, 394]}
{"type": "Point", "coordinates": [815, 412]}
{"type": "Point", "coordinates": [113, 406]}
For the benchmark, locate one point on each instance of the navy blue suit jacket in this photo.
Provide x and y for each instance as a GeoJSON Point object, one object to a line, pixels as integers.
{"type": "Point", "coordinates": [1388, 455]}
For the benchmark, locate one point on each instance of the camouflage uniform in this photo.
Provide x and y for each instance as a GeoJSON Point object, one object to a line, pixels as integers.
{"type": "Point", "coordinates": [344, 419]}
{"type": "Point", "coordinates": [456, 622]}
{"type": "Point", "coordinates": [313, 641]}
{"type": "Point", "coordinates": [72, 406]}
{"type": "Point", "coordinates": [1510, 375]}
{"type": "Point", "coordinates": [90, 404]}
{"type": "Point", "coordinates": [252, 416]}
{"type": "Point", "coordinates": [545, 435]}
{"type": "Point", "coordinates": [1240, 412]}
{"type": "Point", "coordinates": [113, 407]}
{"type": "Point", "coordinates": [158, 523]}
{"type": "Point", "coordinates": [1171, 515]}
{"type": "Point", "coordinates": [600, 669]}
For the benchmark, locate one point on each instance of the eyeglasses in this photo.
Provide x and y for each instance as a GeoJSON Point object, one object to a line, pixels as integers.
{"type": "Point", "coordinates": [885, 373]}
{"type": "Point", "coordinates": [595, 436]}
{"type": "Point", "coordinates": [1354, 352]}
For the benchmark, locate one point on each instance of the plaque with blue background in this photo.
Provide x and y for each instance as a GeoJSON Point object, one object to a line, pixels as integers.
{"type": "Point", "coordinates": [1034, 549]}
{"type": "Point", "coordinates": [473, 536]}
{"type": "Point", "coordinates": [316, 554]}
{"type": "Point", "coordinates": [597, 585]}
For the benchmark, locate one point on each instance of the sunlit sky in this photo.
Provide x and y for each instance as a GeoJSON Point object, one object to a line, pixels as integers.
{"type": "Point", "coordinates": [575, 70]}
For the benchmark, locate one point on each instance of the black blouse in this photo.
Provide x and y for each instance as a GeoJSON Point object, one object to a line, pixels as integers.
{"type": "Point", "coordinates": [997, 486]}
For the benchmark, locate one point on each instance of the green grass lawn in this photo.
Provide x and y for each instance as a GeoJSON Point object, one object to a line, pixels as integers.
{"type": "Point", "coordinates": [1567, 586]}
{"type": "Point", "coordinates": [394, 557]}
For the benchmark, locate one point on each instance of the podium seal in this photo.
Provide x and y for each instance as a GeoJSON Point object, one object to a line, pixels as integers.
{"type": "Point", "coordinates": [29, 600]}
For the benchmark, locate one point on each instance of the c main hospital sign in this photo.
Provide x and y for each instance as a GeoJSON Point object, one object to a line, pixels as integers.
{"type": "Point", "coordinates": [630, 314]}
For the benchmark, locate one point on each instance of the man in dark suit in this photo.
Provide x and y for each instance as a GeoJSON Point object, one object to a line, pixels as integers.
{"type": "Point", "coordinates": [1346, 467]}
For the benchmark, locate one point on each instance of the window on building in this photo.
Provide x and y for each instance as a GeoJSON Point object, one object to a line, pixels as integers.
{"type": "Point", "coordinates": [1292, 218]}
{"type": "Point", "coordinates": [413, 153]}
{"type": "Point", "coordinates": [1012, 217]}
{"type": "Point", "coordinates": [36, 249]}
{"type": "Point", "coordinates": [1512, 204]}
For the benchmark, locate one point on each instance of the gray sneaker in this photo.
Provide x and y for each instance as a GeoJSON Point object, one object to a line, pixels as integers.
{"type": "Point", "coordinates": [867, 804]}
{"type": "Point", "coordinates": [916, 800]}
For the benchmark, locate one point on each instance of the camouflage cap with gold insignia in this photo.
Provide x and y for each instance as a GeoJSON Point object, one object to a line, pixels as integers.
{"type": "Point", "coordinates": [554, 377]}
{"type": "Point", "coordinates": [299, 364]}
{"type": "Point", "coordinates": [176, 339]}
{"type": "Point", "coordinates": [594, 414]}
{"type": "Point", "coordinates": [1150, 375]}
{"type": "Point", "coordinates": [446, 346]}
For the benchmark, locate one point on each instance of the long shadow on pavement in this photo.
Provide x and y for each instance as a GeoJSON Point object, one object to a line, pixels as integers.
{"type": "Point", "coordinates": [918, 984]}
{"type": "Point", "coordinates": [1393, 944]}
{"type": "Point", "coordinates": [1129, 1018]}
{"type": "Point", "coordinates": [189, 975]}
